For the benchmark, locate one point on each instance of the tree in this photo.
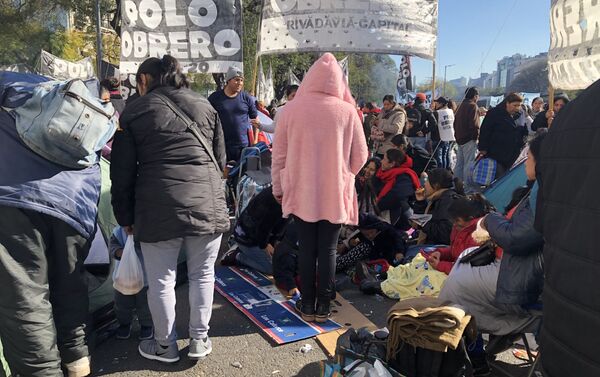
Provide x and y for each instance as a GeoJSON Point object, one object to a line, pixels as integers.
{"type": "Point", "coordinates": [531, 79]}
{"type": "Point", "coordinates": [30, 26]}
{"type": "Point", "coordinates": [451, 91]}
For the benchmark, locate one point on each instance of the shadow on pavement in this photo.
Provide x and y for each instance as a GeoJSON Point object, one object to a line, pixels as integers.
{"type": "Point", "coordinates": [310, 370]}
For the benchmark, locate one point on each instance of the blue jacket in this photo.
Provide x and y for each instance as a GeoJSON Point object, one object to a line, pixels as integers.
{"type": "Point", "coordinates": [31, 182]}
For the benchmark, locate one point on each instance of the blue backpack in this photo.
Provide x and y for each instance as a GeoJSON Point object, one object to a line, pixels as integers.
{"type": "Point", "coordinates": [64, 123]}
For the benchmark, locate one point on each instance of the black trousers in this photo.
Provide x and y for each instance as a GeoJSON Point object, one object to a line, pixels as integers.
{"type": "Point", "coordinates": [43, 294]}
{"type": "Point", "coordinates": [317, 244]}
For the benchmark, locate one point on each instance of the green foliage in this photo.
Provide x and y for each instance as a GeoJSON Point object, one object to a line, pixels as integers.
{"type": "Point", "coordinates": [451, 91]}
{"type": "Point", "coordinates": [202, 83]}
{"type": "Point", "coordinates": [33, 25]}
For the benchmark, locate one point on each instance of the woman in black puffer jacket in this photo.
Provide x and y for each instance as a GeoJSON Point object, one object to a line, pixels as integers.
{"type": "Point", "coordinates": [167, 189]}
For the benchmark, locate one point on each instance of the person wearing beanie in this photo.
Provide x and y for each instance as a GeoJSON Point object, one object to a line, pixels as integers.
{"type": "Point", "coordinates": [237, 110]}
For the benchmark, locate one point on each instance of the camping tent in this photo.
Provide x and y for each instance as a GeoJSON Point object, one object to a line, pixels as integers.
{"type": "Point", "coordinates": [500, 192]}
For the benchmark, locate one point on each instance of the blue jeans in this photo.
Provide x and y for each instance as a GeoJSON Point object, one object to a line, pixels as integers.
{"type": "Point", "coordinates": [420, 141]}
{"type": "Point", "coordinates": [255, 258]}
{"type": "Point", "coordinates": [442, 154]}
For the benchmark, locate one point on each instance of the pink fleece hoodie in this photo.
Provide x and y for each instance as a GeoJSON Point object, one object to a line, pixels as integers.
{"type": "Point", "coordinates": [319, 148]}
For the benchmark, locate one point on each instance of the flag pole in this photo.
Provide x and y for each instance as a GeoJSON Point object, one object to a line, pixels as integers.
{"type": "Point", "coordinates": [255, 72]}
{"type": "Point", "coordinates": [433, 83]}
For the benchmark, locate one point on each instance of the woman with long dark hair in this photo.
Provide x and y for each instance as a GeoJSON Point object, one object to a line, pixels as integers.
{"type": "Point", "coordinates": [167, 191]}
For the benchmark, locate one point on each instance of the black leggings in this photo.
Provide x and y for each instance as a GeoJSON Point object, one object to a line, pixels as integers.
{"type": "Point", "coordinates": [317, 243]}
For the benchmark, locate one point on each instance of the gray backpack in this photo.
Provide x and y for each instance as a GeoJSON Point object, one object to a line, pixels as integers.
{"type": "Point", "coordinates": [65, 123]}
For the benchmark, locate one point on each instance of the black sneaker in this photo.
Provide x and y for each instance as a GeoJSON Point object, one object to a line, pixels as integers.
{"type": "Point", "coordinates": [123, 332]}
{"type": "Point", "coordinates": [306, 312]}
{"type": "Point", "coordinates": [323, 312]}
{"type": "Point", "coordinates": [230, 257]}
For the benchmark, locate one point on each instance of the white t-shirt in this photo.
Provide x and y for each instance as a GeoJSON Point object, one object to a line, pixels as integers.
{"type": "Point", "coordinates": [446, 124]}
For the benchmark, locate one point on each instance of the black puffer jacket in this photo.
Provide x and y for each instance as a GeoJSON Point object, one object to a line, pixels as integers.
{"type": "Point", "coordinates": [439, 228]}
{"type": "Point", "coordinates": [568, 214]}
{"type": "Point", "coordinates": [421, 159]}
{"type": "Point", "coordinates": [261, 222]}
{"type": "Point", "coordinates": [500, 136]}
{"type": "Point", "coordinates": [521, 276]}
{"type": "Point", "coordinates": [163, 180]}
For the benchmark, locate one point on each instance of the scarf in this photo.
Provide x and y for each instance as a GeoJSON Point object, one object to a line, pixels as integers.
{"type": "Point", "coordinates": [389, 177]}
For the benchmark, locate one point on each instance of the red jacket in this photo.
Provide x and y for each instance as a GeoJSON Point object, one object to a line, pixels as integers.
{"type": "Point", "coordinates": [460, 240]}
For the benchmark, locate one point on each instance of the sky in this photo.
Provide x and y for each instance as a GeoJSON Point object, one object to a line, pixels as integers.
{"type": "Point", "coordinates": [467, 29]}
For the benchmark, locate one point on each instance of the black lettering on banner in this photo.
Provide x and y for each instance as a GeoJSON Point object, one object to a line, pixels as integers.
{"type": "Point", "coordinates": [377, 26]}
{"type": "Point", "coordinates": [204, 35]}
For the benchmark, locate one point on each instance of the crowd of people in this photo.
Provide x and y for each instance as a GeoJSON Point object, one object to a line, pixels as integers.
{"type": "Point", "coordinates": [356, 186]}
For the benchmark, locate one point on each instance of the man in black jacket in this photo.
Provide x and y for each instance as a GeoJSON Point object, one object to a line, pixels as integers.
{"type": "Point", "coordinates": [501, 139]}
{"type": "Point", "coordinates": [422, 160]}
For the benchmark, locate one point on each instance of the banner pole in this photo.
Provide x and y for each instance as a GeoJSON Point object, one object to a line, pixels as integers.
{"type": "Point", "coordinates": [550, 99]}
{"type": "Point", "coordinates": [433, 83]}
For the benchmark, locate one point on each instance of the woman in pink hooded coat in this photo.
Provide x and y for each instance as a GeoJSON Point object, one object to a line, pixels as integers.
{"type": "Point", "coordinates": [320, 146]}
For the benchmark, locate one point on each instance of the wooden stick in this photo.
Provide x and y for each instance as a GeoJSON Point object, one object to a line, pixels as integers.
{"type": "Point", "coordinates": [550, 100]}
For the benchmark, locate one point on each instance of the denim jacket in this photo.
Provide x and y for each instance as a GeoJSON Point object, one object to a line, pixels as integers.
{"type": "Point", "coordinates": [31, 182]}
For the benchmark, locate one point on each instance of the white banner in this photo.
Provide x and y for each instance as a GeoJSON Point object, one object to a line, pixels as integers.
{"type": "Point", "coordinates": [574, 56]}
{"type": "Point", "coordinates": [344, 66]}
{"type": "Point", "coordinates": [61, 69]}
{"type": "Point", "coordinates": [401, 27]}
{"type": "Point", "coordinates": [261, 85]}
{"type": "Point", "coordinates": [270, 85]}
{"type": "Point", "coordinates": [204, 35]}
{"type": "Point", "coordinates": [495, 100]}
{"type": "Point", "coordinates": [529, 97]}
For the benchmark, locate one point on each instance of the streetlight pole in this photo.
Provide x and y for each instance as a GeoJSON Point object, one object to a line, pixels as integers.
{"type": "Point", "coordinates": [445, 70]}
{"type": "Point", "coordinates": [99, 73]}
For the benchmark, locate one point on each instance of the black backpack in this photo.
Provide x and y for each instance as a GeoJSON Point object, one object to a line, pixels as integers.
{"type": "Point", "coordinates": [414, 361]}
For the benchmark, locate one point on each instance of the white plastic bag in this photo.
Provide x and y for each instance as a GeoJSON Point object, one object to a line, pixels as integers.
{"type": "Point", "coordinates": [129, 276]}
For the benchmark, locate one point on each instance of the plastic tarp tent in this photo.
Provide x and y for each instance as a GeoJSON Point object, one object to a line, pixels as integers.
{"type": "Point", "coordinates": [500, 192]}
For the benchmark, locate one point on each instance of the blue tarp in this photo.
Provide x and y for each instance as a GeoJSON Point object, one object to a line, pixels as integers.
{"type": "Point", "coordinates": [500, 192]}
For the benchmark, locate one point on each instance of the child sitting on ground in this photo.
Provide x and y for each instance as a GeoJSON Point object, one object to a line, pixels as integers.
{"type": "Point", "coordinates": [464, 212]}
{"type": "Point", "coordinates": [125, 305]}
{"type": "Point", "coordinates": [377, 240]}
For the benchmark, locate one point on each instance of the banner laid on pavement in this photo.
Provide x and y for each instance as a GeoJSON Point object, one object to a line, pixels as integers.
{"type": "Point", "coordinates": [204, 35]}
{"type": "Point", "coordinates": [61, 69]}
{"type": "Point", "coordinates": [401, 27]}
{"type": "Point", "coordinates": [256, 296]}
{"type": "Point", "coordinates": [574, 56]}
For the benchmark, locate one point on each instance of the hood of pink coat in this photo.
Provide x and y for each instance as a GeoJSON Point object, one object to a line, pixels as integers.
{"type": "Point", "coordinates": [326, 77]}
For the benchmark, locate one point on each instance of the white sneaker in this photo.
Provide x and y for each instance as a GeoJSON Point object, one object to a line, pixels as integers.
{"type": "Point", "coordinates": [199, 348]}
{"type": "Point", "coordinates": [79, 368]}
